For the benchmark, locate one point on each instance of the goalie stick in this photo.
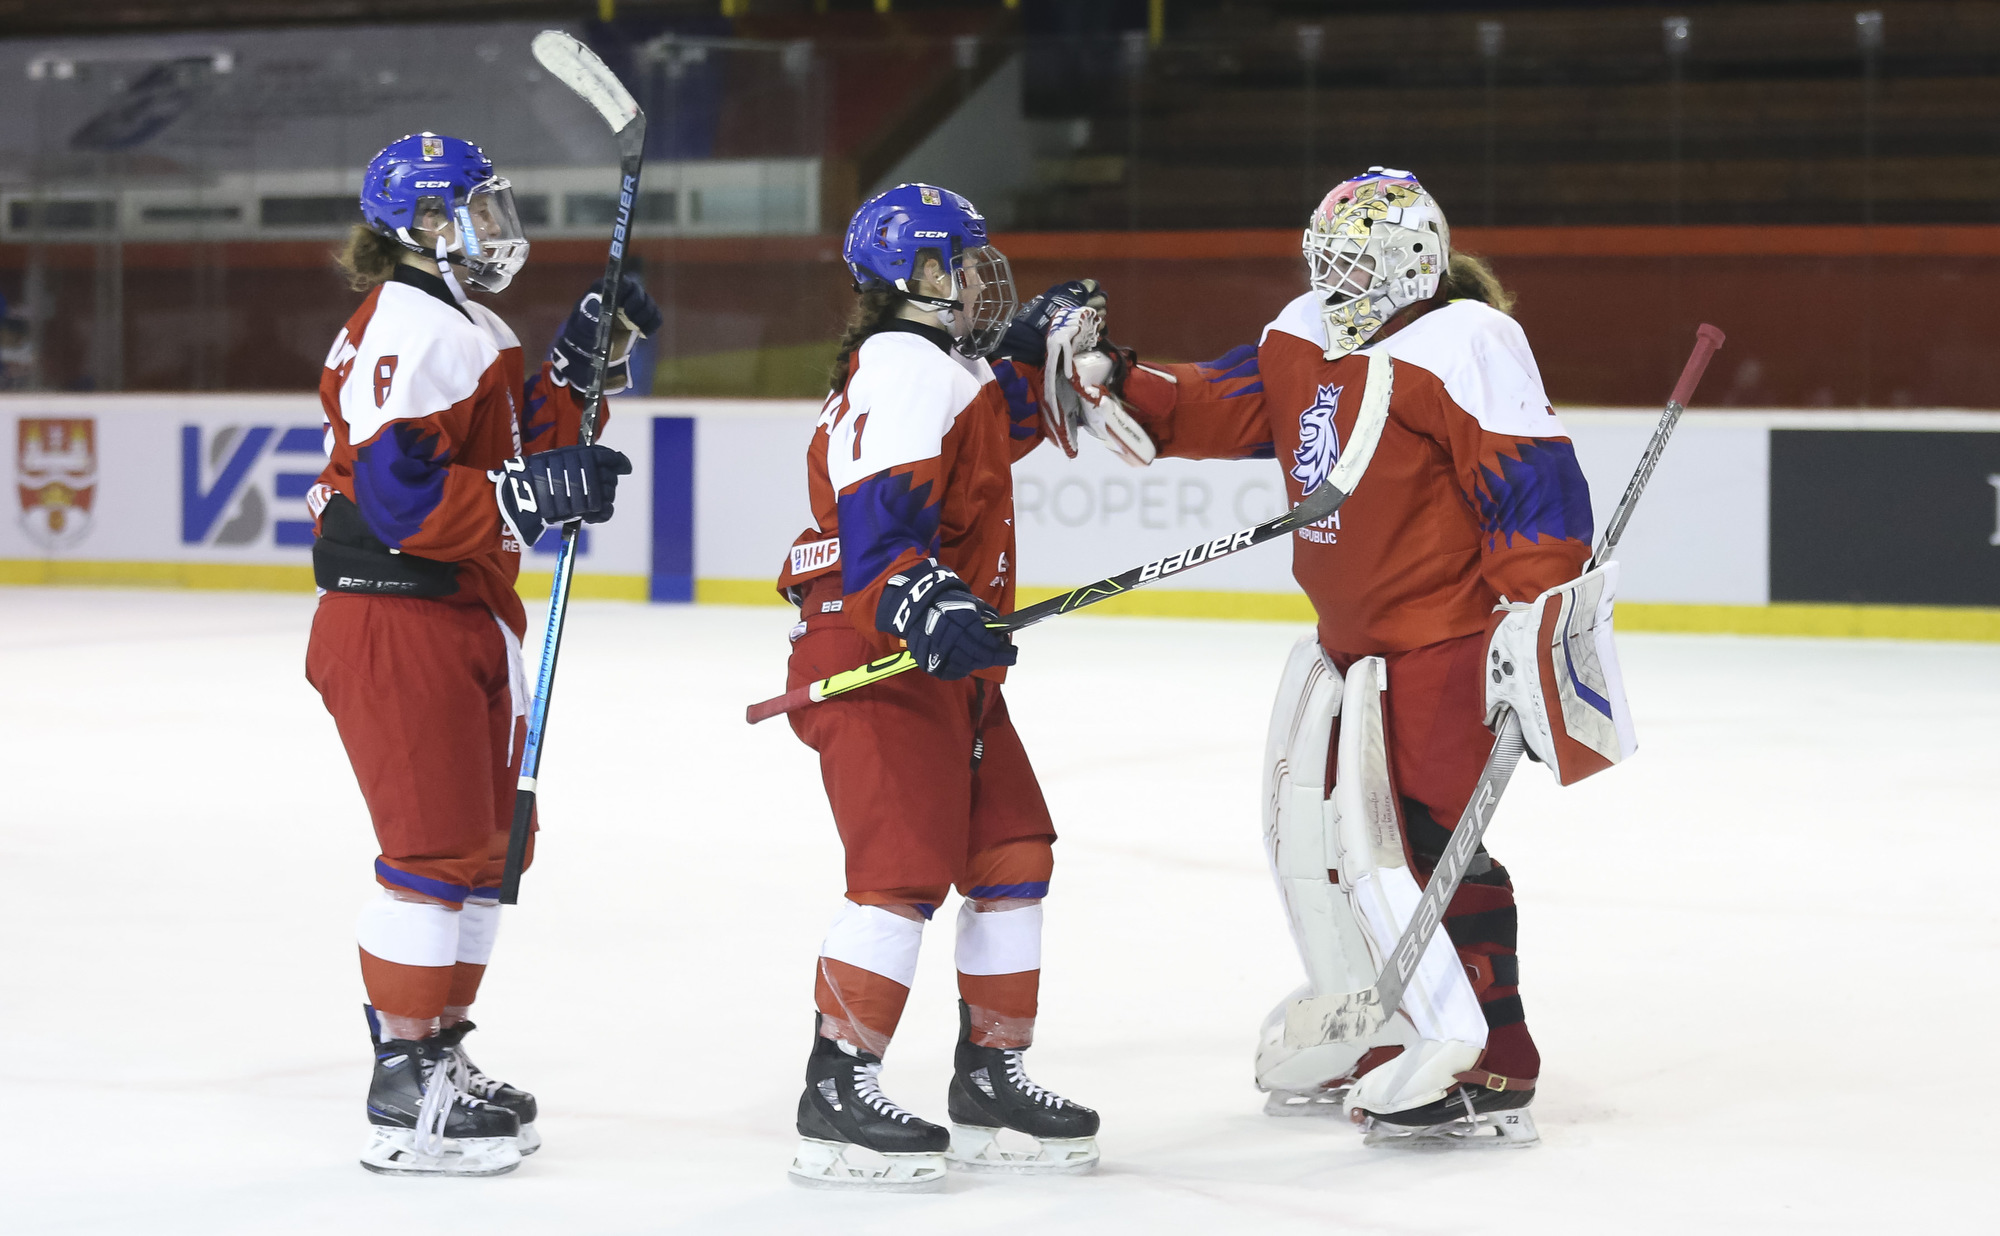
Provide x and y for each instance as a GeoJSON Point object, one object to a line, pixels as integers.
{"type": "Point", "coordinates": [1315, 506]}
{"type": "Point", "coordinates": [1353, 1015]}
{"type": "Point", "coordinates": [577, 67]}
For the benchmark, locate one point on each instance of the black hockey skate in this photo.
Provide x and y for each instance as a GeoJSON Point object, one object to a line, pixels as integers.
{"type": "Point", "coordinates": [467, 1077]}
{"type": "Point", "coordinates": [991, 1094]}
{"type": "Point", "coordinates": [424, 1125]}
{"type": "Point", "coordinates": [852, 1136]}
{"type": "Point", "coordinates": [1467, 1116]}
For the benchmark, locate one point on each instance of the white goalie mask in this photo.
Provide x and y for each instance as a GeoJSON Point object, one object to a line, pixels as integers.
{"type": "Point", "coordinates": [1377, 243]}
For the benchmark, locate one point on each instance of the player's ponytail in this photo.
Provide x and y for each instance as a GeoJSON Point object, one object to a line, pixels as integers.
{"type": "Point", "coordinates": [1470, 278]}
{"type": "Point", "coordinates": [368, 258]}
{"type": "Point", "coordinates": [877, 303]}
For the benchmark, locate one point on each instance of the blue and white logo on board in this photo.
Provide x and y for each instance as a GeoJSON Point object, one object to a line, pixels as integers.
{"type": "Point", "coordinates": [1319, 442]}
{"type": "Point", "coordinates": [244, 485]}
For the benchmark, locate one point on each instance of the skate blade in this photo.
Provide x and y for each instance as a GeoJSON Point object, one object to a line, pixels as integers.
{"type": "Point", "coordinates": [392, 1152]}
{"type": "Point", "coordinates": [841, 1165]}
{"type": "Point", "coordinates": [1510, 1130]}
{"type": "Point", "coordinates": [530, 1140]}
{"type": "Point", "coordinates": [977, 1149]}
{"type": "Point", "coordinates": [1324, 1104]}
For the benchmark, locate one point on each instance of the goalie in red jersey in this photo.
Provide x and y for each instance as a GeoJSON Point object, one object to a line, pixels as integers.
{"type": "Point", "coordinates": [1472, 506]}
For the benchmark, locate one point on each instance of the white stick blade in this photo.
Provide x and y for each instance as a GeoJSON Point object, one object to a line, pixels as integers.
{"type": "Point", "coordinates": [1368, 423]}
{"type": "Point", "coordinates": [577, 67]}
{"type": "Point", "coordinates": [1343, 1017]}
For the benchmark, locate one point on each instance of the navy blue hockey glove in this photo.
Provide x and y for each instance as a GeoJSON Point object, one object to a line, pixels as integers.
{"type": "Point", "coordinates": [1026, 339]}
{"type": "Point", "coordinates": [555, 487]}
{"type": "Point", "coordinates": [942, 622]}
{"type": "Point", "coordinates": [570, 357]}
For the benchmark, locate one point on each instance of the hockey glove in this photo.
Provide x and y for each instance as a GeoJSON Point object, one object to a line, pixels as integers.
{"type": "Point", "coordinates": [930, 607]}
{"type": "Point", "coordinates": [571, 356]}
{"type": "Point", "coordinates": [1079, 386]}
{"type": "Point", "coordinates": [1026, 339]}
{"type": "Point", "coordinates": [555, 487]}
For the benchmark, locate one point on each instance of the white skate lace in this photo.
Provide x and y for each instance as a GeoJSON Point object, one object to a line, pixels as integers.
{"type": "Point", "coordinates": [440, 1094]}
{"type": "Point", "coordinates": [1017, 1076]}
{"type": "Point", "coordinates": [467, 1077]}
{"type": "Point", "coordinates": [868, 1088]}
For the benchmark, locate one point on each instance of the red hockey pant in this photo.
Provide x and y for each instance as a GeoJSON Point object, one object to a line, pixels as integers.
{"type": "Point", "coordinates": [418, 690]}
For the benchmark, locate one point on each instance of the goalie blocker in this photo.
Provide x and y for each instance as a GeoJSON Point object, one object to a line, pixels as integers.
{"type": "Point", "coordinates": [1554, 663]}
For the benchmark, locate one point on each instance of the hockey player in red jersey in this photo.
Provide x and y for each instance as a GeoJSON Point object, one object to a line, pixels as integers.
{"type": "Point", "coordinates": [909, 474]}
{"type": "Point", "coordinates": [1472, 505]}
{"type": "Point", "coordinates": [445, 463]}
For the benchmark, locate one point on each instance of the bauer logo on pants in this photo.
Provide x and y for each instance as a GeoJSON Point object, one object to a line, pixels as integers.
{"type": "Point", "coordinates": [55, 472]}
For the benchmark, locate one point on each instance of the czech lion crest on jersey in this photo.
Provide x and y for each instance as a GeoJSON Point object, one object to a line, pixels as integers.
{"type": "Point", "coordinates": [55, 474]}
{"type": "Point", "coordinates": [1319, 441]}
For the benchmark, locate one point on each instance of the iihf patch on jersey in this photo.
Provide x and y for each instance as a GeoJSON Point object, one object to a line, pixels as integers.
{"type": "Point", "coordinates": [815, 556]}
{"type": "Point", "coordinates": [1319, 441]}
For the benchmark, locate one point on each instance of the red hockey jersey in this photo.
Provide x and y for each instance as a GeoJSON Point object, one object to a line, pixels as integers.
{"type": "Point", "coordinates": [422, 397]}
{"type": "Point", "coordinates": [913, 460]}
{"type": "Point", "coordinates": [1473, 494]}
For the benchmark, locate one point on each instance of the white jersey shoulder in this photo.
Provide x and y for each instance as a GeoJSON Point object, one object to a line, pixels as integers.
{"type": "Point", "coordinates": [416, 357]}
{"type": "Point", "coordinates": [1482, 357]}
{"type": "Point", "coordinates": [494, 325]}
{"type": "Point", "coordinates": [904, 397]}
{"type": "Point", "coordinates": [1300, 319]}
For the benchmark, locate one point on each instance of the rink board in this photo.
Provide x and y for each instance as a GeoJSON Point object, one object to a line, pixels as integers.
{"type": "Point", "coordinates": [1781, 522]}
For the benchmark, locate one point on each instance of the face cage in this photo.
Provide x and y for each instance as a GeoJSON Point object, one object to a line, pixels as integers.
{"type": "Point", "coordinates": [985, 319]}
{"type": "Point", "coordinates": [1358, 297]}
{"type": "Point", "coordinates": [489, 243]}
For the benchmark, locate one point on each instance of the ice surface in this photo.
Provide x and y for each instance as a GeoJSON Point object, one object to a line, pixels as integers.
{"type": "Point", "coordinates": [1760, 958]}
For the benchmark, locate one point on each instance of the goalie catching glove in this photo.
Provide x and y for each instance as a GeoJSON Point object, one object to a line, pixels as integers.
{"type": "Point", "coordinates": [1079, 384]}
{"type": "Point", "coordinates": [944, 624]}
{"type": "Point", "coordinates": [555, 487]}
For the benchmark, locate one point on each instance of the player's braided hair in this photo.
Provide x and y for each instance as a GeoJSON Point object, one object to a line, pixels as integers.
{"type": "Point", "coordinates": [873, 308]}
{"type": "Point", "coordinates": [368, 257]}
{"type": "Point", "coordinates": [1470, 278]}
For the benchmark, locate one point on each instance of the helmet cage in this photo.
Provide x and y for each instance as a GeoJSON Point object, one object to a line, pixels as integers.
{"type": "Point", "coordinates": [486, 237]}
{"type": "Point", "coordinates": [1376, 245]}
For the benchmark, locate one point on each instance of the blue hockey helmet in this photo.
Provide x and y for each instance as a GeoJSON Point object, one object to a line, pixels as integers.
{"type": "Point", "coordinates": [439, 197]}
{"type": "Point", "coordinates": [888, 236]}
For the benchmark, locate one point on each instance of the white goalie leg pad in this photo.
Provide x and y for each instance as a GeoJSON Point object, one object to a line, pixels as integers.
{"type": "Point", "coordinates": [1554, 663]}
{"type": "Point", "coordinates": [409, 933]}
{"type": "Point", "coordinates": [1439, 1004]}
{"type": "Point", "coordinates": [1304, 841]}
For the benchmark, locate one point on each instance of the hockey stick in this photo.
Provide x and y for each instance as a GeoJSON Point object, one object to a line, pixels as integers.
{"type": "Point", "coordinates": [1355, 1015]}
{"type": "Point", "coordinates": [1315, 506]}
{"type": "Point", "coordinates": [577, 67]}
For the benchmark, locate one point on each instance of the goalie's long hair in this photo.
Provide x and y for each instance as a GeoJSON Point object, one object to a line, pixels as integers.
{"type": "Point", "coordinates": [873, 308]}
{"type": "Point", "coordinates": [1470, 278]}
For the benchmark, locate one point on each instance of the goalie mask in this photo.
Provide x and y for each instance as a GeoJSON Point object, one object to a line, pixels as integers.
{"type": "Point", "coordinates": [1377, 243]}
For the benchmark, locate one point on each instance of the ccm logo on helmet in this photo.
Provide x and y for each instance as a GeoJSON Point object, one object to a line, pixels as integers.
{"type": "Point", "coordinates": [932, 235]}
{"type": "Point", "coordinates": [433, 184]}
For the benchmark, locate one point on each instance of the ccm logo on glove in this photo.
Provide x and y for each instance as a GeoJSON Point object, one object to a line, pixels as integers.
{"type": "Point", "coordinates": [944, 624]}
{"type": "Point", "coordinates": [556, 487]}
